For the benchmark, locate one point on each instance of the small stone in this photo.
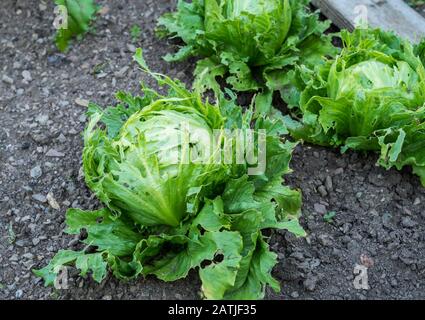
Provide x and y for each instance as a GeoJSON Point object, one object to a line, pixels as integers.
{"type": "Point", "coordinates": [82, 102]}
{"type": "Point", "coordinates": [322, 191]}
{"type": "Point", "coordinates": [295, 295]}
{"type": "Point", "coordinates": [28, 256]}
{"type": "Point", "coordinates": [325, 240]}
{"type": "Point", "coordinates": [310, 283]}
{"type": "Point", "coordinates": [42, 119]}
{"type": "Point", "coordinates": [82, 118]}
{"type": "Point", "coordinates": [7, 79]}
{"type": "Point", "coordinates": [39, 197]}
{"type": "Point", "coordinates": [386, 220]}
{"type": "Point", "coordinates": [52, 201]}
{"type": "Point", "coordinates": [62, 138]}
{"type": "Point", "coordinates": [66, 203]}
{"type": "Point", "coordinates": [18, 294]}
{"type": "Point", "coordinates": [319, 208]}
{"type": "Point", "coordinates": [103, 10]}
{"type": "Point", "coordinates": [329, 184]}
{"type": "Point", "coordinates": [54, 153]}
{"type": "Point", "coordinates": [417, 202]}
{"type": "Point", "coordinates": [339, 171]}
{"type": "Point", "coordinates": [14, 257]}
{"type": "Point", "coordinates": [131, 48]}
{"type": "Point", "coordinates": [121, 73]}
{"type": "Point", "coordinates": [407, 222]}
{"type": "Point", "coordinates": [35, 241]}
{"type": "Point", "coordinates": [26, 75]}
{"type": "Point", "coordinates": [36, 172]}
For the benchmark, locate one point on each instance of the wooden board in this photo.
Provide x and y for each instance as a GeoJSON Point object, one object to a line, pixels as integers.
{"type": "Point", "coordinates": [393, 15]}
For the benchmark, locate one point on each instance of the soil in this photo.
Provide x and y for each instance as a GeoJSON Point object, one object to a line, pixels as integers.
{"type": "Point", "coordinates": [379, 216]}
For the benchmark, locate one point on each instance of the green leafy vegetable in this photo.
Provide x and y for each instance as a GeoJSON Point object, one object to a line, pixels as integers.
{"type": "Point", "coordinates": [80, 14]}
{"type": "Point", "coordinates": [254, 44]}
{"type": "Point", "coordinates": [371, 97]}
{"type": "Point", "coordinates": [165, 215]}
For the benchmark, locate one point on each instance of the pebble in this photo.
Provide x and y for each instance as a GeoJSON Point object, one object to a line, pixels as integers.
{"type": "Point", "coordinates": [325, 240]}
{"type": "Point", "coordinates": [54, 153]}
{"type": "Point", "coordinates": [339, 171]}
{"type": "Point", "coordinates": [386, 220]}
{"type": "Point", "coordinates": [39, 197]}
{"type": "Point", "coordinates": [52, 201]}
{"type": "Point", "coordinates": [407, 222]}
{"type": "Point", "coordinates": [82, 118]}
{"type": "Point", "coordinates": [417, 202]}
{"type": "Point", "coordinates": [19, 293]}
{"type": "Point", "coordinates": [320, 208]}
{"type": "Point", "coordinates": [329, 184]}
{"type": "Point", "coordinates": [82, 102]}
{"type": "Point", "coordinates": [62, 138]}
{"type": "Point", "coordinates": [28, 256]}
{"type": "Point", "coordinates": [7, 79]}
{"type": "Point", "coordinates": [322, 191]}
{"type": "Point", "coordinates": [36, 172]}
{"type": "Point", "coordinates": [26, 75]}
{"type": "Point", "coordinates": [131, 48]}
{"type": "Point", "coordinates": [42, 119]}
{"type": "Point", "coordinates": [121, 73]}
{"type": "Point", "coordinates": [295, 295]}
{"type": "Point", "coordinates": [14, 257]}
{"type": "Point", "coordinates": [310, 283]}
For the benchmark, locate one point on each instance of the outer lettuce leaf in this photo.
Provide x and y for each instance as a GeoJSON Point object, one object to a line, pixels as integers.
{"type": "Point", "coordinates": [253, 44]}
{"type": "Point", "coordinates": [370, 97]}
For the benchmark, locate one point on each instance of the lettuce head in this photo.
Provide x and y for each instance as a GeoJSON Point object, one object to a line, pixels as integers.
{"type": "Point", "coordinates": [169, 205]}
{"type": "Point", "coordinates": [370, 97]}
{"type": "Point", "coordinates": [252, 44]}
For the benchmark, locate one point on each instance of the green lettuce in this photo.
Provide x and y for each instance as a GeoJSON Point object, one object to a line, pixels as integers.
{"type": "Point", "coordinates": [250, 43]}
{"type": "Point", "coordinates": [81, 14]}
{"type": "Point", "coordinates": [370, 97]}
{"type": "Point", "coordinates": [163, 215]}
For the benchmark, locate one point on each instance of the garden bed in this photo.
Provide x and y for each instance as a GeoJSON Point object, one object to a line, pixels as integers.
{"type": "Point", "coordinates": [379, 216]}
